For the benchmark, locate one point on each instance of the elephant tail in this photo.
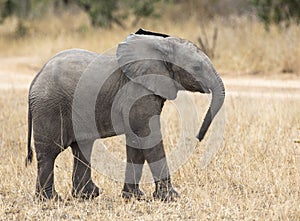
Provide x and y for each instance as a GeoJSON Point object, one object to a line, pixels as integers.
{"type": "Point", "coordinates": [28, 159]}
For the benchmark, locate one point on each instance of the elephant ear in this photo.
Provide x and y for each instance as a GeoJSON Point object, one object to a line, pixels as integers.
{"type": "Point", "coordinates": [143, 59]}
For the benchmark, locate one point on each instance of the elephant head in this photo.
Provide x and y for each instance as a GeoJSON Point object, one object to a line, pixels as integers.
{"type": "Point", "coordinates": [172, 64]}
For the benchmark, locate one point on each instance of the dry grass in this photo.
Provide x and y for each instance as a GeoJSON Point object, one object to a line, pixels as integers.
{"type": "Point", "coordinates": [255, 175]}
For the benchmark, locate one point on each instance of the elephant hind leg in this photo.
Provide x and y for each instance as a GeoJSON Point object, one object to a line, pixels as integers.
{"type": "Point", "coordinates": [45, 179]}
{"type": "Point", "coordinates": [83, 186]}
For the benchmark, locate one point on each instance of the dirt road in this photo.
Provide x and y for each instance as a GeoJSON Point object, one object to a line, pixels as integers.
{"type": "Point", "coordinates": [17, 73]}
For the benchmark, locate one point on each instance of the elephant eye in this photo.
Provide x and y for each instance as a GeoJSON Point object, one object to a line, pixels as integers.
{"type": "Point", "coordinates": [197, 68]}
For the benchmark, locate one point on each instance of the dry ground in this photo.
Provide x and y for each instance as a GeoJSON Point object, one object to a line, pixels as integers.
{"type": "Point", "coordinates": [254, 176]}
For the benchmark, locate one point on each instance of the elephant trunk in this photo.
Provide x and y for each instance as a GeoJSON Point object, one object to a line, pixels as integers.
{"type": "Point", "coordinates": [217, 100]}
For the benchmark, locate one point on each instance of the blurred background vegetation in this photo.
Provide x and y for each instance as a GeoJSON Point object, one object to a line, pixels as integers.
{"type": "Point", "coordinates": [241, 36]}
{"type": "Point", "coordinates": [106, 13]}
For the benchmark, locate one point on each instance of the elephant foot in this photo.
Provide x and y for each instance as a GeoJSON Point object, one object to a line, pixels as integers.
{"type": "Point", "coordinates": [47, 195]}
{"type": "Point", "coordinates": [88, 191]}
{"type": "Point", "coordinates": [132, 191]}
{"type": "Point", "coordinates": [164, 191]}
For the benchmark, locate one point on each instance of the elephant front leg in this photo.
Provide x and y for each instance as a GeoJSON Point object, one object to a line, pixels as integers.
{"type": "Point", "coordinates": [133, 174]}
{"type": "Point", "coordinates": [157, 161]}
{"type": "Point", "coordinates": [83, 186]}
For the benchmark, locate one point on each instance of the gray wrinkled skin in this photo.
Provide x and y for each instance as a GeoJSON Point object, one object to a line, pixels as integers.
{"type": "Point", "coordinates": [177, 65]}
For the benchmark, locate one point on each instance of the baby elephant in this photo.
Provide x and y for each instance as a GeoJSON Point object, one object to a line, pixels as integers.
{"type": "Point", "coordinates": [80, 96]}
